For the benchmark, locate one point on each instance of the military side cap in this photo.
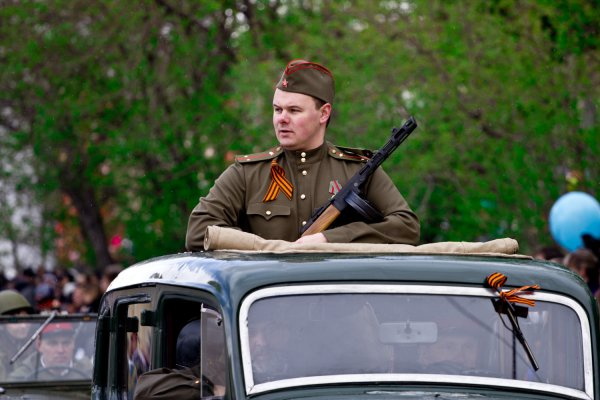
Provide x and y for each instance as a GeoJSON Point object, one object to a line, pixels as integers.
{"type": "Point", "coordinates": [63, 328]}
{"type": "Point", "coordinates": [301, 76]}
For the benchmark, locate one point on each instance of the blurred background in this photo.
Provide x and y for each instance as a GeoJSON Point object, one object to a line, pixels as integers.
{"type": "Point", "coordinates": [116, 116]}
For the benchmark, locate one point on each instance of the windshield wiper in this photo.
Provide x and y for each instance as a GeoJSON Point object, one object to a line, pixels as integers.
{"type": "Point", "coordinates": [513, 312]}
{"type": "Point", "coordinates": [33, 337]}
{"type": "Point", "coordinates": [504, 305]}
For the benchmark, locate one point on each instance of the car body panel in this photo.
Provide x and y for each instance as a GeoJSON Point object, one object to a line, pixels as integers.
{"type": "Point", "coordinates": [233, 280]}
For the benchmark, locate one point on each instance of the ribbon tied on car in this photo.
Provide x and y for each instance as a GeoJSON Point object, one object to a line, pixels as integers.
{"type": "Point", "coordinates": [497, 280]}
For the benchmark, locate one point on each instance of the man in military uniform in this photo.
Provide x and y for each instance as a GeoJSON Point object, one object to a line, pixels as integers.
{"type": "Point", "coordinates": [54, 358]}
{"type": "Point", "coordinates": [14, 334]}
{"type": "Point", "coordinates": [272, 194]}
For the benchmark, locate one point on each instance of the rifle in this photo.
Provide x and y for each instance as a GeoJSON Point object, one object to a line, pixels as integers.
{"type": "Point", "coordinates": [350, 194]}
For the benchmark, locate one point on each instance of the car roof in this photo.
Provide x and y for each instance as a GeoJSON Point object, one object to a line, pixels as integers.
{"type": "Point", "coordinates": [236, 273]}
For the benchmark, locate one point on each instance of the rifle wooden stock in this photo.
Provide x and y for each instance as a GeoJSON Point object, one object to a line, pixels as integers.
{"type": "Point", "coordinates": [325, 219]}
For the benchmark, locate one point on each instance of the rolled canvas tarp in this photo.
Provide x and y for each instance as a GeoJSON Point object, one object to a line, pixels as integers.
{"type": "Point", "coordinates": [221, 238]}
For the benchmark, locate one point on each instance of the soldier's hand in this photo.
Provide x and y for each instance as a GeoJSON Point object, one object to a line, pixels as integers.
{"type": "Point", "coordinates": [314, 238]}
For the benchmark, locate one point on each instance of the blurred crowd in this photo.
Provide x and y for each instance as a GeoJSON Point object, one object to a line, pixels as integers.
{"type": "Point", "coordinates": [584, 261]}
{"type": "Point", "coordinates": [71, 291]}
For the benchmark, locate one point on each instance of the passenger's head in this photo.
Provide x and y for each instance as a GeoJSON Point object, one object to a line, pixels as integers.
{"type": "Point", "coordinates": [269, 343]}
{"type": "Point", "coordinates": [56, 343]}
{"type": "Point", "coordinates": [456, 350]}
{"type": "Point", "coordinates": [187, 352]}
{"type": "Point", "coordinates": [14, 303]}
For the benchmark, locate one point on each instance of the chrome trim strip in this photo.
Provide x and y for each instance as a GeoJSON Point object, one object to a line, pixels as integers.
{"type": "Point", "coordinates": [418, 378]}
{"type": "Point", "coordinates": [251, 388]}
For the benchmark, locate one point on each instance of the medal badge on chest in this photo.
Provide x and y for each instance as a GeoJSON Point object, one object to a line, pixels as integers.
{"type": "Point", "coordinates": [334, 187]}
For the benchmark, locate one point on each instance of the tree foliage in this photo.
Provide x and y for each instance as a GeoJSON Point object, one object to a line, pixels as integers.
{"type": "Point", "coordinates": [130, 110]}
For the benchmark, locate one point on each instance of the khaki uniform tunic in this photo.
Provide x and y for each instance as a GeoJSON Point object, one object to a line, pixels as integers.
{"type": "Point", "coordinates": [32, 369]}
{"type": "Point", "coordinates": [236, 199]}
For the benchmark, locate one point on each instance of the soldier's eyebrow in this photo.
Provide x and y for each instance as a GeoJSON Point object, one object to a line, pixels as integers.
{"type": "Point", "coordinates": [289, 106]}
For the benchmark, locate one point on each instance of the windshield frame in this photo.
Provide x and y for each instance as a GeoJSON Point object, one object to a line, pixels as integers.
{"type": "Point", "coordinates": [252, 388]}
{"type": "Point", "coordinates": [37, 320]}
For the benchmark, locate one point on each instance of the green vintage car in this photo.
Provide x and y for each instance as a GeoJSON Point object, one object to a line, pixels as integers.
{"type": "Point", "coordinates": [319, 325]}
{"type": "Point", "coordinates": [46, 356]}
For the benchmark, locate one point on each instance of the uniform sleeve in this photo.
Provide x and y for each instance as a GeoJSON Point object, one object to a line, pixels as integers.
{"type": "Point", "coordinates": [167, 384]}
{"type": "Point", "coordinates": [400, 223]}
{"type": "Point", "coordinates": [3, 358]}
{"type": "Point", "coordinates": [221, 207]}
{"type": "Point", "coordinates": [21, 373]}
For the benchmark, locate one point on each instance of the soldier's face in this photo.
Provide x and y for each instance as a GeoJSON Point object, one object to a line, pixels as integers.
{"type": "Point", "coordinates": [19, 330]}
{"type": "Point", "coordinates": [460, 350]}
{"type": "Point", "coordinates": [298, 123]}
{"type": "Point", "coordinates": [56, 349]}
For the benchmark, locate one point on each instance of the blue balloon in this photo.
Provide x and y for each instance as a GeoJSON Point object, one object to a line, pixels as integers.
{"type": "Point", "coordinates": [573, 215]}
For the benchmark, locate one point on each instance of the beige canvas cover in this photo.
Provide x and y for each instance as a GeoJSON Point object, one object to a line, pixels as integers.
{"type": "Point", "coordinates": [221, 238]}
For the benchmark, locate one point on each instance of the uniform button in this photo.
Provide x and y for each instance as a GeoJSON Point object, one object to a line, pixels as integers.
{"type": "Point", "coordinates": [303, 154]}
{"type": "Point", "coordinates": [271, 153]}
{"type": "Point", "coordinates": [268, 212]}
{"type": "Point", "coordinates": [303, 223]}
{"type": "Point", "coordinates": [302, 196]}
{"type": "Point", "coordinates": [303, 159]}
{"type": "Point", "coordinates": [333, 151]}
{"type": "Point", "coordinates": [304, 172]}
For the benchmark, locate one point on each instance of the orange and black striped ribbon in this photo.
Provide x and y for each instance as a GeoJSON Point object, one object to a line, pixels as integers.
{"type": "Point", "coordinates": [497, 280]}
{"type": "Point", "coordinates": [278, 182]}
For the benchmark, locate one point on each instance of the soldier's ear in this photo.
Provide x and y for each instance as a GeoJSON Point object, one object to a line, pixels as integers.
{"type": "Point", "coordinates": [325, 111]}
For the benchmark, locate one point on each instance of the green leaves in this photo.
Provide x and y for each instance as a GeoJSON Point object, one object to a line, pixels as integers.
{"type": "Point", "coordinates": [138, 106]}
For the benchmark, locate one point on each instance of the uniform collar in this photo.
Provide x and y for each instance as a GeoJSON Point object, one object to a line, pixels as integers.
{"type": "Point", "coordinates": [308, 156]}
{"type": "Point", "coordinates": [59, 373]}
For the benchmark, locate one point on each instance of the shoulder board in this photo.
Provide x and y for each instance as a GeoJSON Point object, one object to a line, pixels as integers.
{"type": "Point", "coordinates": [349, 153]}
{"type": "Point", "coordinates": [265, 155]}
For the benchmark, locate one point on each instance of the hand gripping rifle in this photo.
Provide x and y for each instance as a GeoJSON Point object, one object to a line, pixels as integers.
{"type": "Point", "coordinates": [351, 193]}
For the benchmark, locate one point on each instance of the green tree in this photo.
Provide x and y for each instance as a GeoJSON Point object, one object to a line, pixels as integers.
{"type": "Point", "coordinates": [130, 110]}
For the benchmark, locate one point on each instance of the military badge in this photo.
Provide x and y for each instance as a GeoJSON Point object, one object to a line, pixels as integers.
{"type": "Point", "coordinates": [334, 187]}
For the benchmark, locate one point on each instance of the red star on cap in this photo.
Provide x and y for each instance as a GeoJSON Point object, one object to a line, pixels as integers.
{"type": "Point", "coordinates": [284, 82]}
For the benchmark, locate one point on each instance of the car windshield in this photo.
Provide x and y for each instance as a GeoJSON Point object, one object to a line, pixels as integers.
{"type": "Point", "coordinates": [46, 348]}
{"type": "Point", "coordinates": [295, 335]}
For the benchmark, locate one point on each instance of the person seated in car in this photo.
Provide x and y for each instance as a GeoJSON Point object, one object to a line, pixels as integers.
{"type": "Point", "coordinates": [54, 359]}
{"type": "Point", "coordinates": [14, 334]}
{"type": "Point", "coordinates": [182, 382]}
{"type": "Point", "coordinates": [269, 345]}
{"type": "Point", "coordinates": [454, 353]}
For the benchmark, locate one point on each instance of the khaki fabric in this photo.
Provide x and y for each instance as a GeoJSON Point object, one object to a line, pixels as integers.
{"type": "Point", "coordinates": [31, 369]}
{"type": "Point", "coordinates": [218, 238]}
{"type": "Point", "coordinates": [9, 345]}
{"type": "Point", "coordinates": [236, 199]}
{"type": "Point", "coordinates": [167, 384]}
